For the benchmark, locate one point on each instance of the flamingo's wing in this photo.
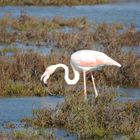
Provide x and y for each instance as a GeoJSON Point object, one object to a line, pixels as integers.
{"type": "Point", "coordinates": [97, 61]}
{"type": "Point", "coordinates": [89, 60]}
{"type": "Point", "coordinates": [91, 63]}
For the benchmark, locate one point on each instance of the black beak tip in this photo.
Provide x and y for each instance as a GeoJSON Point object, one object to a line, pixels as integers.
{"type": "Point", "coordinates": [45, 85]}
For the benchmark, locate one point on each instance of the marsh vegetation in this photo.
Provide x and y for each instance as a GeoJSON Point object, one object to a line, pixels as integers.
{"type": "Point", "coordinates": [101, 118]}
{"type": "Point", "coordinates": [20, 74]}
{"type": "Point", "coordinates": [52, 2]}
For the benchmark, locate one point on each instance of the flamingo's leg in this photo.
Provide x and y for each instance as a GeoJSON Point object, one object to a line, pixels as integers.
{"type": "Point", "coordinates": [96, 93]}
{"type": "Point", "coordinates": [85, 88]}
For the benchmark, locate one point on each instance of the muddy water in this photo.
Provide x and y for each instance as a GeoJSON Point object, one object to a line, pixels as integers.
{"type": "Point", "coordinates": [123, 12]}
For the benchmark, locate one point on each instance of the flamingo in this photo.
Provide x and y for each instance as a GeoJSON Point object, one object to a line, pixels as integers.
{"type": "Point", "coordinates": [82, 61]}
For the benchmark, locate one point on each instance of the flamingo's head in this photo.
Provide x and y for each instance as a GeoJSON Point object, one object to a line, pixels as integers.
{"type": "Point", "coordinates": [46, 75]}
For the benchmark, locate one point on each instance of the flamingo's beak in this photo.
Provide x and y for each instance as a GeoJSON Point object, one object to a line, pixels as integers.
{"type": "Point", "coordinates": [42, 81]}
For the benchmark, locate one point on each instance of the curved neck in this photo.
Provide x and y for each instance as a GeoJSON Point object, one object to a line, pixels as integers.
{"type": "Point", "coordinates": [66, 76]}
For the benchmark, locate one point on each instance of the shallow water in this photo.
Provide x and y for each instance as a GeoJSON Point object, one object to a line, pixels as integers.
{"type": "Point", "coordinates": [46, 50]}
{"type": "Point", "coordinates": [43, 50]}
{"type": "Point", "coordinates": [134, 49]}
{"type": "Point", "coordinates": [13, 110]}
{"type": "Point", "coordinates": [115, 12]}
{"type": "Point", "coordinates": [128, 94]}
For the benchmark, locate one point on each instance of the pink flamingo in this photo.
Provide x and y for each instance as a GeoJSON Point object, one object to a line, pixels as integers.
{"type": "Point", "coordinates": [81, 61]}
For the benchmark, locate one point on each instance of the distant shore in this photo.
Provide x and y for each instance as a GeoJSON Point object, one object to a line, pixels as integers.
{"type": "Point", "coordinates": [51, 2]}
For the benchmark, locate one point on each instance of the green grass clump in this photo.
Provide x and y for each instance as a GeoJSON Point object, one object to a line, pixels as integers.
{"type": "Point", "coordinates": [23, 89]}
{"type": "Point", "coordinates": [13, 88]}
{"type": "Point", "coordinates": [29, 134]}
{"type": "Point", "coordinates": [33, 134]}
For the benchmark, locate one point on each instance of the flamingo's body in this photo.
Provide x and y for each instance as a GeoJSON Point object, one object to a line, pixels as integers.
{"type": "Point", "coordinates": [82, 61]}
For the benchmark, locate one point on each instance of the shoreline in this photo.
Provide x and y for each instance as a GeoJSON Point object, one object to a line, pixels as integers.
{"type": "Point", "coordinates": [52, 3]}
